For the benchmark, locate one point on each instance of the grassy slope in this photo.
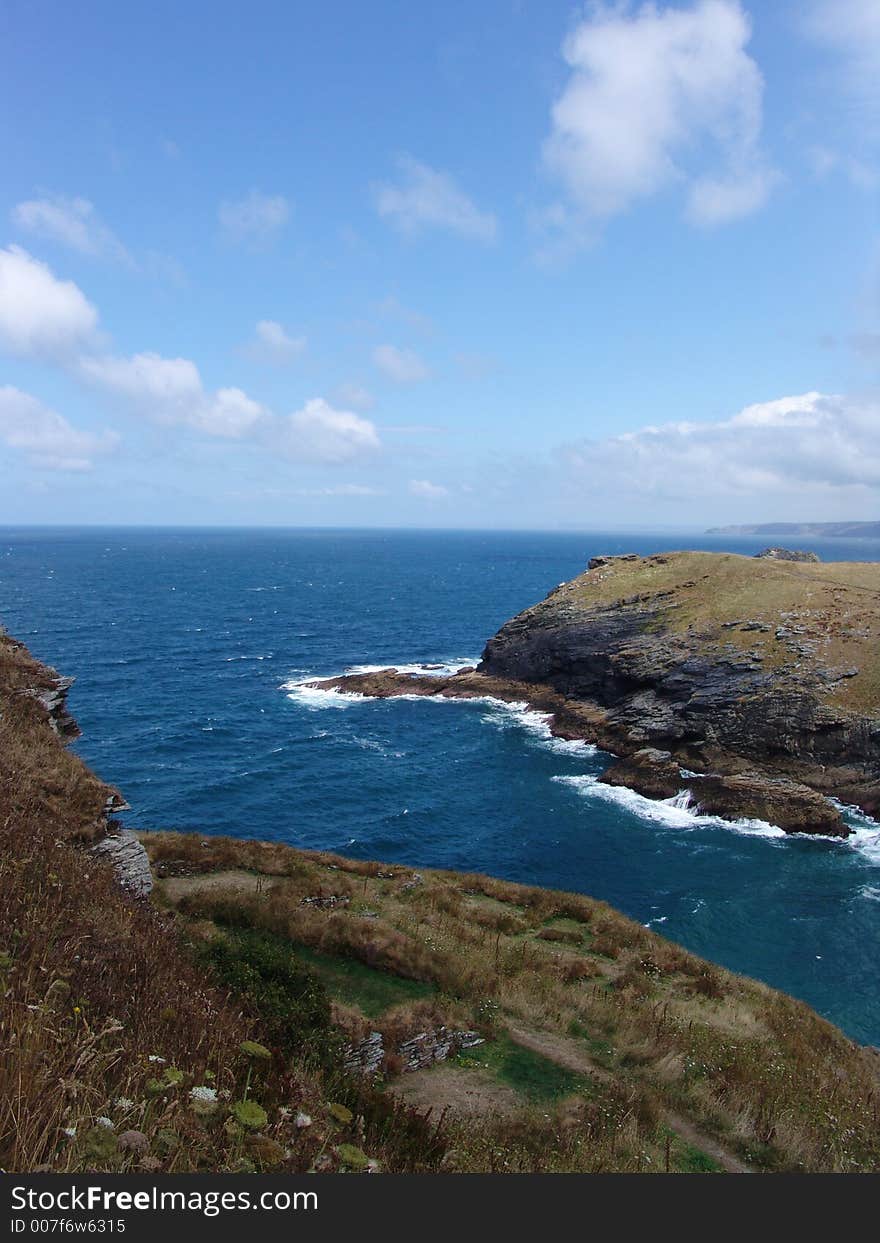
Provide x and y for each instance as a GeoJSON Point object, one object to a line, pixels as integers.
{"type": "Point", "coordinates": [621, 1024]}
{"type": "Point", "coordinates": [662, 1052]}
{"type": "Point", "coordinates": [837, 603]}
{"type": "Point", "coordinates": [95, 987]}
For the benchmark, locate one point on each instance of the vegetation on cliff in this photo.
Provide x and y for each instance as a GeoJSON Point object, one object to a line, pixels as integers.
{"type": "Point", "coordinates": [208, 1026]}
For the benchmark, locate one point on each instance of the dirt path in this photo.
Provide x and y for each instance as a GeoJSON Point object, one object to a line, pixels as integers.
{"type": "Point", "coordinates": [567, 1054]}
{"type": "Point", "coordinates": [177, 887]}
{"type": "Point", "coordinates": [464, 1092]}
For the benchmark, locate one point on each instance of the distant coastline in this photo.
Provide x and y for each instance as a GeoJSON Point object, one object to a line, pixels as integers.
{"type": "Point", "coordinates": [804, 530]}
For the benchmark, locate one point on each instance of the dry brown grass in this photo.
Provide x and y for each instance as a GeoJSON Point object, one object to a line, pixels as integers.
{"type": "Point", "coordinates": [105, 1015]}
{"type": "Point", "coordinates": [754, 1068]}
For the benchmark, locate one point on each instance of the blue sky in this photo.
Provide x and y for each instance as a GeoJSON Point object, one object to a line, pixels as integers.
{"type": "Point", "coordinates": [495, 264]}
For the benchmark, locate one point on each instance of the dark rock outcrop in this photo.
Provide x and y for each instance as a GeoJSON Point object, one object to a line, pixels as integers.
{"type": "Point", "coordinates": [699, 692]}
{"type": "Point", "coordinates": [53, 697]}
{"type": "Point", "coordinates": [788, 554]}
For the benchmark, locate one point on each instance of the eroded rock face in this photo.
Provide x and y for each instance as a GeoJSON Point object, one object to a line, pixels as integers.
{"type": "Point", "coordinates": [710, 701]}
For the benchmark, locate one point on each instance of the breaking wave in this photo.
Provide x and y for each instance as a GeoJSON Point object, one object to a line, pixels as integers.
{"type": "Point", "coordinates": [679, 812]}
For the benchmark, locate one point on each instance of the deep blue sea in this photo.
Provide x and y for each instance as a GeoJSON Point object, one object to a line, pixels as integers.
{"type": "Point", "coordinates": [188, 645]}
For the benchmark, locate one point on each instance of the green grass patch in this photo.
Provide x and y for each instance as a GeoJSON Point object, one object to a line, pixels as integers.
{"type": "Point", "coordinates": [602, 1050]}
{"type": "Point", "coordinates": [690, 1160]}
{"type": "Point", "coordinates": [288, 995]}
{"type": "Point", "coordinates": [530, 1074]}
{"type": "Point", "coordinates": [351, 982]}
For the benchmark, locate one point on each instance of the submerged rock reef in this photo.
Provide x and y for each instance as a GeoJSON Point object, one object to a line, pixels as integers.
{"type": "Point", "coordinates": [751, 683]}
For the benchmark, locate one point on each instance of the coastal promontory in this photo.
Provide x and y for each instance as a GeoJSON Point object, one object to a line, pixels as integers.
{"type": "Point", "coordinates": [752, 684]}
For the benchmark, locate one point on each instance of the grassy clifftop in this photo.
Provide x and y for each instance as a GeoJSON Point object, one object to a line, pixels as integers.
{"type": "Point", "coordinates": [829, 611]}
{"type": "Point", "coordinates": [206, 1028]}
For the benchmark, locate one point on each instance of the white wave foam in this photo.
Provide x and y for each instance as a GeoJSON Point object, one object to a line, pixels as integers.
{"type": "Point", "coordinates": [871, 892]}
{"type": "Point", "coordinates": [867, 842]}
{"type": "Point", "coordinates": [678, 812]}
{"type": "Point", "coordinates": [518, 714]}
{"type": "Point", "coordinates": [865, 835]}
{"type": "Point", "coordinates": [429, 669]}
{"type": "Point", "coordinates": [317, 697]}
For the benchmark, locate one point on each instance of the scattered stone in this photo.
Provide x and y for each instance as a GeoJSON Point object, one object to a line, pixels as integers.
{"type": "Point", "coordinates": [326, 903]}
{"type": "Point", "coordinates": [424, 1049]}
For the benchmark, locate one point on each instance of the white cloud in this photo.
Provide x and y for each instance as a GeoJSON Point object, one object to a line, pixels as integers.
{"type": "Point", "coordinates": [39, 314]}
{"type": "Point", "coordinates": [71, 221]}
{"type": "Point", "coordinates": [342, 489]}
{"type": "Point", "coordinates": [230, 412]}
{"type": "Point", "coordinates": [170, 390]}
{"type": "Point", "coordinates": [851, 28]}
{"type": "Point", "coordinates": [427, 490]}
{"type": "Point", "coordinates": [425, 198]}
{"type": "Point", "coordinates": [718, 200]}
{"type": "Point", "coordinates": [652, 93]}
{"type": "Point", "coordinates": [806, 446]}
{"type": "Point", "coordinates": [256, 219]}
{"type": "Point", "coordinates": [392, 308]}
{"type": "Point", "coordinates": [401, 366]}
{"type": "Point", "coordinates": [164, 383]}
{"type": "Point", "coordinates": [47, 438]}
{"type": "Point", "coordinates": [320, 433]}
{"type": "Point", "coordinates": [273, 344]}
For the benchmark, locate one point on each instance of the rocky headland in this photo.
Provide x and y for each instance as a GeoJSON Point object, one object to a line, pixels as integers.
{"type": "Point", "coordinates": [753, 684]}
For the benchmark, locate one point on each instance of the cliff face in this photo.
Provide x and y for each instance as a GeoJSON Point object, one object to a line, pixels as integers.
{"type": "Point", "coordinates": [727, 664]}
{"type": "Point", "coordinates": [38, 773]}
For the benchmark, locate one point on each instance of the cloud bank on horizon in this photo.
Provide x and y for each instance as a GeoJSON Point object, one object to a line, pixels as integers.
{"type": "Point", "coordinates": [661, 254]}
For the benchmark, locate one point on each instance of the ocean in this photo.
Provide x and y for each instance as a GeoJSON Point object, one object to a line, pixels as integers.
{"type": "Point", "coordinates": [190, 646]}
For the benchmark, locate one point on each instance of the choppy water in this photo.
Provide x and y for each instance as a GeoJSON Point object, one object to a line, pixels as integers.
{"type": "Point", "coordinates": [189, 647]}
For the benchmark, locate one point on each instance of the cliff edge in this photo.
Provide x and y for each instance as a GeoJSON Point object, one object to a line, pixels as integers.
{"type": "Point", "coordinates": [758, 676]}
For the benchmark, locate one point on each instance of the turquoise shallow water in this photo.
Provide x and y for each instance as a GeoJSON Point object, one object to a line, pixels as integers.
{"type": "Point", "coordinates": [188, 645]}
